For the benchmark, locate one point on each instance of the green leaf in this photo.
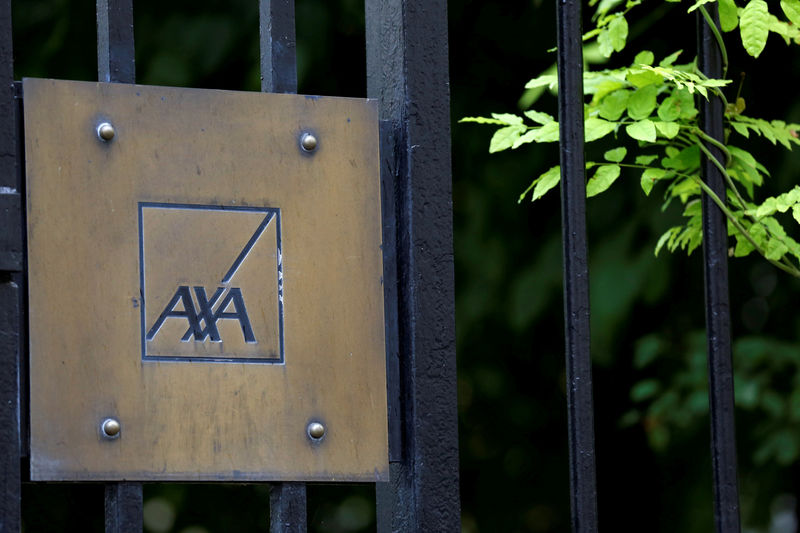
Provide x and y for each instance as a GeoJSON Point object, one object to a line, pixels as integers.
{"type": "Point", "coordinates": [743, 246]}
{"type": "Point", "coordinates": [602, 179]}
{"type": "Point", "coordinates": [645, 57]}
{"type": "Point", "coordinates": [549, 80]}
{"type": "Point", "coordinates": [667, 238]}
{"type": "Point", "coordinates": [686, 159]}
{"type": "Point", "coordinates": [787, 30]}
{"type": "Point", "coordinates": [728, 15]}
{"type": "Point", "coordinates": [747, 163]}
{"type": "Point", "coordinates": [746, 390]}
{"type": "Point", "coordinates": [544, 183]}
{"type": "Point", "coordinates": [775, 250]}
{"type": "Point", "coordinates": [645, 390]}
{"type": "Point", "coordinates": [697, 4]}
{"type": "Point", "coordinates": [639, 77]}
{"type": "Point", "coordinates": [670, 59]}
{"type": "Point", "coordinates": [527, 137]}
{"type": "Point", "coordinates": [614, 104]}
{"type": "Point", "coordinates": [616, 155]}
{"type": "Point", "coordinates": [539, 117]}
{"type": "Point", "coordinates": [483, 120]}
{"type": "Point", "coordinates": [547, 133]}
{"type": "Point", "coordinates": [741, 129]}
{"type": "Point", "coordinates": [692, 236]}
{"type": "Point", "coordinates": [606, 5]}
{"type": "Point", "coordinates": [754, 26]}
{"type": "Point", "coordinates": [612, 38]}
{"type": "Point", "coordinates": [668, 129]}
{"type": "Point", "coordinates": [796, 213]}
{"type": "Point", "coordinates": [618, 33]}
{"type": "Point", "coordinates": [642, 102]}
{"type": "Point", "coordinates": [781, 203]}
{"type": "Point", "coordinates": [505, 138]}
{"type": "Point", "coordinates": [767, 207]}
{"type": "Point", "coordinates": [647, 350]}
{"type": "Point", "coordinates": [669, 109]}
{"type": "Point", "coordinates": [649, 178]}
{"type": "Point", "coordinates": [693, 209]}
{"type": "Point", "coordinates": [759, 234]}
{"type": "Point", "coordinates": [508, 118]}
{"type": "Point", "coordinates": [791, 8]}
{"type": "Point", "coordinates": [685, 104]}
{"type": "Point", "coordinates": [596, 128]}
{"type": "Point", "coordinates": [643, 130]}
{"type": "Point", "coordinates": [601, 87]}
{"type": "Point", "coordinates": [645, 159]}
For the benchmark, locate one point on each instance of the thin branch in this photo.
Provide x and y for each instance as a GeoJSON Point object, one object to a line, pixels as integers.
{"type": "Point", "coordinates": [711, 194]}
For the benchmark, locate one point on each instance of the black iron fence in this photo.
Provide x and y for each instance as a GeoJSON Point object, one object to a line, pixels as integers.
{"type": "Point", "coordinates": [407, 73]}
{"type": "Point", "coordinates": [576, 282]}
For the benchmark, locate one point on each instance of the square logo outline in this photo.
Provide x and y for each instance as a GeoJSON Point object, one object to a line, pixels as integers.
{"type": "Point", "coordinates": [142, 302]}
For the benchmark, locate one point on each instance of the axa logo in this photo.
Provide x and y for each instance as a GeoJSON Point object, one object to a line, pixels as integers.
{"type": "Point", "coordinates": [206, 314]}
{"type": "Point", "coordinates": [190, 312]}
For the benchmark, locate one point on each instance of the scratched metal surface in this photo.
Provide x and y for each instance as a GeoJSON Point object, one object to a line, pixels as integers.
{"type": "Point", "coordinates": [117, 229]}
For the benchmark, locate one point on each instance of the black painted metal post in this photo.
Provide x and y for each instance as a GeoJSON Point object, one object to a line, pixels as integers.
{"type": "Point", "coordinates": [287, 508]}
{"type": "Point", "coordinates": [580, 406]}
{"type": "Point", "coordinates": [11, 443]}
{"type": "Point", "coordinates": [116, 63]}
{"type": "Point", "coordinates": [123, 507]}
{"type": "Point", "coordinates": [718, 326]}
{"type": "Point", "coordinates": [115, 53]}
{"type": "Point", "coordinates": [287, 501]}
{"type": "Point", "coordinates": [278, 46]}
{"type": "Point", "coordinates": [407, 71]}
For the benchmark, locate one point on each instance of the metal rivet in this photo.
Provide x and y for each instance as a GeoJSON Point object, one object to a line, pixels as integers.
{"type": "Point", "coordinates": [316, 430]}
{"type": "Point", "coordinates": [110, 428]}
{"type": "Point", "coordinates": [105, 131]}
{"type": "Point", "coordinates": [308, 142]}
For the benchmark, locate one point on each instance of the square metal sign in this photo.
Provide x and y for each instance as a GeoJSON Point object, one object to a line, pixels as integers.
{"type": "Point", "coordinates": [205, 285]}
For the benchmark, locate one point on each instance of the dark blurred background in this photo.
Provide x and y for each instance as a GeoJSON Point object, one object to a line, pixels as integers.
{"type": "Point", "coordinates": [647, 312]}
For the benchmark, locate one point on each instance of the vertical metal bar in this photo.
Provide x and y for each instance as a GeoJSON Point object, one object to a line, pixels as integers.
{"type": "Point", "coordinates": [287, 508]}
{"type": "Point", "coordinates": [123, 507]}
{"type": "Point", "coordinates": [580, 406]}
{"type": "Point", "coordinates": [115, 52]}
{"type": "Point", "coordinates": [287, 501]}
{"type": "Point", "coordinates": [116, 63]}
{"type": "Point", "coordinates": [715, 254]}
{"type": "Point", "coordinates": [11, 445]}
{"type": "Point", "coordinates": [278, 46]}
{"type": "Point", "coordinates": [390, 289]}
{"type": "Point", "coordinates": [9, 407]}
{"type": "Point", "coordinates": [407, 71]}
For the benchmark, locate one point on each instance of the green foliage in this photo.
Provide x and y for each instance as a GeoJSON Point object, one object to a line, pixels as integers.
{"type": "Point", "coordinates": [649, 110]}
{"type": "Point", "coordinates": [754, 26]}
{"type": "Point", "coordinates": [664, 405]}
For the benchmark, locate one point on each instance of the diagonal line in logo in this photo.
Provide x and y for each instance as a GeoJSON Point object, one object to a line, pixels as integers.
{"type": "Point", "coordinates": [205, 314]}
{"type": "Point", "coordinates": [247, 247]}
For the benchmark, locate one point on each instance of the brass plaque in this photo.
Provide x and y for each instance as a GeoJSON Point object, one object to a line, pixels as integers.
{"type": "Point", "coordinates": [206, 279]}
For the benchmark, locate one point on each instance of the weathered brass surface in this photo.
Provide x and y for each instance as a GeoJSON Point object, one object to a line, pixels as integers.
{"type": "Point", "coordinates": [206, 282]}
